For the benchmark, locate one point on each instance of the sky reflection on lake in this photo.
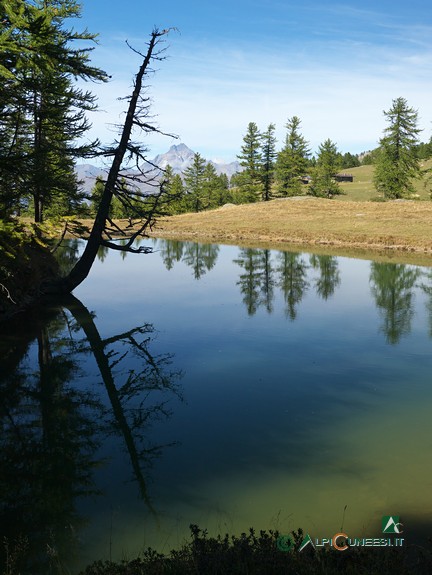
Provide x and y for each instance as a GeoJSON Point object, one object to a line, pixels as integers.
{"type": "Point", "coordinates": [303, 385]}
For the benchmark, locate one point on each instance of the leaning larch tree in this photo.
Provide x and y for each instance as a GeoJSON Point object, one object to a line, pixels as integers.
{"type": "Point", "coordinates": [125, 152]}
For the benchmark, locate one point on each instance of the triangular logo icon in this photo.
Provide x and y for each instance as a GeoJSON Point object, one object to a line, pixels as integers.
{"type": "Point", "coordinates": [391, 524]}
{"type": "Point", "coordinates": [306, 542]}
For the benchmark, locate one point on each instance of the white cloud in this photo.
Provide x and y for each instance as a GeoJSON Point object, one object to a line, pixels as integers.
{"type": "Point", "coordinates": [208, 95]}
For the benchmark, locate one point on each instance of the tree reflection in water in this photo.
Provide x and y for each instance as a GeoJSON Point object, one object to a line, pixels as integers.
{"type": "Point", "coordinates": [51, 429]}
{"type": "Point", "coordinates": [329, 278]}
{"type": "Point", "coordinates": [201, 258]}
{"type": "Point", "coordinates": [426, 286]}
{"type": "Point", "coordinates": [293, 280]}
{"type": "Point", "coordinates": [260, 277]}
{"type": "Point", "coordinates": [257, 282]}
{"type": "Point", "coordinates": [392, 286]}
{"type": "Point", "coordinates": [264, 272]}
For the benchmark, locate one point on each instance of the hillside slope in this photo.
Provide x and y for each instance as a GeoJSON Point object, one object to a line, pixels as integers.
{"type": "Point", "coordinates": [362, 187]}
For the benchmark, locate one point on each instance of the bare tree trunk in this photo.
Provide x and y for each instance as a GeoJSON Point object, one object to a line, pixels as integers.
{"type": "Point", "coordinates": [84, 264]}
{"type": "Point", "coordinates": [85, 321]}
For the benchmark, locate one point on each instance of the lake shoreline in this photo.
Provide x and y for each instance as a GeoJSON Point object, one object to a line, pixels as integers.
{"type": "Point", "coordinates": [396, 231]}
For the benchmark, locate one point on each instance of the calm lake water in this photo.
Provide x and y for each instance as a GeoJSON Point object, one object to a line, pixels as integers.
{"type": "Point", "coordinates": [221, 386]}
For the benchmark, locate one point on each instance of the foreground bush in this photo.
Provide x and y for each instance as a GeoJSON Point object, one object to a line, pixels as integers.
{"type": "Point", "coordinates": [25, 261]}
{"type": "Point", "coordinates": [251, 554]}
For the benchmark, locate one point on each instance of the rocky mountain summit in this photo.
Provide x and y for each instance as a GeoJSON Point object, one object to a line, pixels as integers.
{"type": "Point", "coordinates": [179, 157]}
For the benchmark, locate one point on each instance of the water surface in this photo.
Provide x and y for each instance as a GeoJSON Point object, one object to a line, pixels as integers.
{"type": "Point", "coordinates": [221, 386]}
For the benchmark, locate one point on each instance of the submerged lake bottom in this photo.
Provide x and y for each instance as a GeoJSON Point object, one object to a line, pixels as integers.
{"type": "Point", "coordinates": [219, 386]}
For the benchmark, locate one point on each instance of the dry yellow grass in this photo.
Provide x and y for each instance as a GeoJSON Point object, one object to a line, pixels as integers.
{"type": "Point", "coordinates": [396, 226]}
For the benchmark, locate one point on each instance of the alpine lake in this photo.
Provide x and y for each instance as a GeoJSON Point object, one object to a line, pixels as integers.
{"type": "Point", "coordinates": [221, 386]}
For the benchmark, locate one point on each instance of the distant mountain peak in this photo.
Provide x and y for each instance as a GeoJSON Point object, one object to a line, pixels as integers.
{"type": "Point", "coordinates": [179, 148]}
{"type": "Point", "coordinates": [180, 157]}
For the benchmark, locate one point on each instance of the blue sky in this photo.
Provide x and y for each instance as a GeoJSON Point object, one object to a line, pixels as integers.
{"type": "Point", "coordinates": [335, 65]}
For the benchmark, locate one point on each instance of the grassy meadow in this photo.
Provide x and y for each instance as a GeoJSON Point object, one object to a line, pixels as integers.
{"type": "Point", "coordinates": [362, 189]}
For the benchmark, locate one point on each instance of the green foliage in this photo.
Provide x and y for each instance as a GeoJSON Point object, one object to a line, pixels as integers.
{"type": "Point", "coordinates": [424, 150]}
{"type": "Point", "coordinates": [24, 261]}
{"type": "Point", "coordinates": [396, 163]}
{"type": "Point", "coordinates": [175, 191]}
{"type": "Point", "coordinates": [12, 240]}
{"type": "Point", "coordinates": [349, 161]}
{"type": "Point", "coordinates": [223, 193]}
{"type": "Point", "coordinates": [268, 161]}
{"type": "Point", "coordinates": [293, 161]}
{"type": "Point", "coordinates": [195, 177]}
{"type": "Point", "coordinates": [116, 209]}
{"type": "Point", "coordinates": [96, 194]}
{"type": "Point", "coordinates": [202, 189]}
{"type": "Point", "coordinates": [42, 112]}
{"type": "Point", "coordinates": [328, 164]}
{"type": "Point", "coordinates": [369, 158]}
{"type": "Point", "coordinates": [249, 180]}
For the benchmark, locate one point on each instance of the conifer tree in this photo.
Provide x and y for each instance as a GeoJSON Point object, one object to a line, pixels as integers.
{"type": "Point", "coordinates": [175, 190]}
{"type": "Point", "coordinates": [268, 161]}
{"type": "Point", "coordinates": [212, 187]}
{"type": "Point", "coordinates": [397, 164]}
{"type": "Point", "coordinates": [292, 162]}
{"type": "Point", "coordinates": [42, 112]}
{"type": "Point", "coordinates": [349, 160]}
{"type": "Point", "coordinates": [221, 194]}
{"type": "Point", "coordinates": [194, 182]}
{"type": "Point", "coordinates": [249, 180]}
{"type": "Point", "coordinates": [324, 184]}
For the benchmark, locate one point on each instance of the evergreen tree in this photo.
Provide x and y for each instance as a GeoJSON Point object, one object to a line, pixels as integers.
{"type": "Point", "coordinates": [219, 188]}
{"type": "Point", "coordinates": [349, 161]}
{"type": "Point", "coordinates": [223, 193]}
{"type": "Point", "coordinates": [42, 112]}
{"type": "Point", "coordinates": [293, 160]}
{"type": "Point", "coordinates": [13, 120]}
{"type": "Point", "coordinates": [424, 150]}
{"type": "Point", "coordinates": [249, 180]}
{"type": "Point", "coordinates": [194, 181]}
{"type": "Point", "coordinates": [117, 209]}
{"type": "Point", "coordinates": [396, 164]}
{"type": "Point", "coordinates": [96, 194]}
{"type": "Point", "coordinates": [268, 148]}
{"type": "Point", "coordinates": [175, 190]}
{"type": "Point", "coordinates": [368, 158]}
{"type": "Point", "coordinates": [211, 186]}
{"type": "Point", "coordinates": [328, 164]}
